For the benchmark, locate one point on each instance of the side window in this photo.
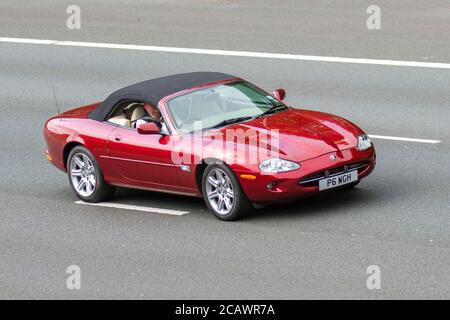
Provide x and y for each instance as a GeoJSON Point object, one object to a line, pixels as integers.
{"type": "Point", "coordinates": [127, 113]}
{"type": "Point", "coordinates": [131, 114]}
{"type": "Point", "coordinates": [120, 116]}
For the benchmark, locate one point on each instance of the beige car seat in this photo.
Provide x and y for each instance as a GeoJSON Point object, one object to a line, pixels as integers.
{"type": "Point", "coordinates": [121, 120]}
{"type": "Point", "coordinates": [138, 113]}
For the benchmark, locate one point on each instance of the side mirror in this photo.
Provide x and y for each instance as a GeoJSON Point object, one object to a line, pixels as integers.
{"type": "Point", "coordinates": [148, 128]}
{"type": "Point", "coordinates": [280, 94]}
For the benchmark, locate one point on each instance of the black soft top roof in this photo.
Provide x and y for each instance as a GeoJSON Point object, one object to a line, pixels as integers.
{"type": "Point", "coordinates": [155, 89]}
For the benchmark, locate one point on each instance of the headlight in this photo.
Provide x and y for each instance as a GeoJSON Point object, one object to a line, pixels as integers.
{"type": "Point", "coordinates": [364, 142]}
{"type": "Point", "coordinates": [276, 165]}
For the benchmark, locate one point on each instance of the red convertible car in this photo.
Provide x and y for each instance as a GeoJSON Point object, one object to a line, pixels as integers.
{"type": "Point", "coordinates": [210, 135]}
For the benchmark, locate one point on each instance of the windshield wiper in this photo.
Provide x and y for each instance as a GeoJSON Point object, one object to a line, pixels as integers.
{"type": "Point", "coordinates": [272, 109]}
{"type": "Point", "coordinates": [230, 121]}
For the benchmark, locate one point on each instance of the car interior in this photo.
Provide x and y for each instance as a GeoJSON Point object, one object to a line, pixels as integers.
{"type": "Point", "coordinates": [127, 113]}
{"type": "Point", "coordinates": [196, 106]}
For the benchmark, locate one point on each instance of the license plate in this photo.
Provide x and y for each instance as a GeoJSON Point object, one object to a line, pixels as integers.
{"type": "Point", "coordinates": [340, 180]}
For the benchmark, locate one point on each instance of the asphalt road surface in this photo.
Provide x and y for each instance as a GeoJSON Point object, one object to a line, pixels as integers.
{"type": "Point", "coordinates": [398, 218]}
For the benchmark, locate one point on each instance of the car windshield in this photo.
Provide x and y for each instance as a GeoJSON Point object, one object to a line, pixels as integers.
{"type": "Point", "coordinates": [221, 105]}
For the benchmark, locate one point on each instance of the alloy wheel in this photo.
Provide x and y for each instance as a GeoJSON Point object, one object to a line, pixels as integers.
{"type": "Point", "coordinates": [219, 191]}
{"type": "Point", "coordinates": [82, 174]}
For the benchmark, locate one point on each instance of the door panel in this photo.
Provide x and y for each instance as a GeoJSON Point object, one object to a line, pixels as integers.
{"type": "Point", "coordinates": [142, 159]}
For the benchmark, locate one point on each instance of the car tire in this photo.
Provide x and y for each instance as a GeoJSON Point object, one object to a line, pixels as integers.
{"type": "Point", "coordinates": [216, 182]}
{"type": "Point", "coordinates": [86, 177]}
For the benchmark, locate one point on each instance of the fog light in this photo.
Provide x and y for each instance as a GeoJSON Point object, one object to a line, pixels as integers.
{"type": "Point", "coordinates": [271, 186]}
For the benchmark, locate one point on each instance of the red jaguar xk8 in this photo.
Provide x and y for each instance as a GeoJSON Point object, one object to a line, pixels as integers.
{"type": "Point", "coordinates": [209, 135]}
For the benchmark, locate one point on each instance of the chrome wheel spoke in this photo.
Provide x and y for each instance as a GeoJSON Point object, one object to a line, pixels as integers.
{"type": "Point", "coordinates": [213, 181]}
{"type": "Point", "coordinates": [228, 203]}
{"type": "Point", "coordinates": [213, 194]}
{"type": "Point", "coordinates": [81, 185]}
{"type": "Point", "coordinates": [79, 162]}
{"type": "Point", "coordinates": [221, 177]}
{"type": "Point", "coordinates": [90, 168]}
{"type": "Point", "coordinates": [76, 172]}
{"type": "Point", "coordinates": [89, 186]}
{"type": "Point", "coordinates": [82, 174]}
{"type": "Point", "coordinates": [220, 204]}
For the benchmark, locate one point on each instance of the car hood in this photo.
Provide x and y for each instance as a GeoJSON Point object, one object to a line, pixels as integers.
{"type": "Point", "coordinates": [302, 134]}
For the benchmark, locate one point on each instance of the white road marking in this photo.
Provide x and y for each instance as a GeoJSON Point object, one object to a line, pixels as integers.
{"type": "Point", "coordinates": [374, 136]}
{"type": "Point", "coordinates": [285, 56]}
{"type": "Point", "coordinates": [29, 41]}
{"type": "Point", "coordinates": [135, 208]}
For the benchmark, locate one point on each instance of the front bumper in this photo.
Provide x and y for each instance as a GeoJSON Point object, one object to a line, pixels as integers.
{"type": "Point", "coordinates": [286, 186]}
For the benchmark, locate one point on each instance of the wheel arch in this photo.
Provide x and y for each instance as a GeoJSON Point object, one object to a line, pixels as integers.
{"type": "Point", "coordinates": [66, 151]}
{"type": "Point", "coordinates": [201, 167]}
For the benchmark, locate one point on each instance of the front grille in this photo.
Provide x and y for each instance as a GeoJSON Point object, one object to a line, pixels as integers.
{"type": "Point", "coordinates": [313, 179]}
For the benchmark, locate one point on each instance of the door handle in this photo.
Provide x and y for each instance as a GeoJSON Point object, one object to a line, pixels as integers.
{"type": "Point", "coordinates": [117, 138]}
